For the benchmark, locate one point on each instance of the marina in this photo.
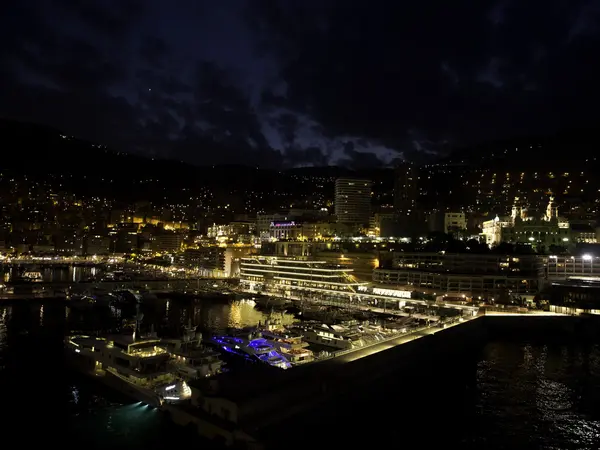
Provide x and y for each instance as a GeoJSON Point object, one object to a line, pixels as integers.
{"type": "Point", "coordinates": [119, 418]}
{"type": "Point", "coordinates": [123, 338]}
{"type": "Point", "coordinates": [277, 343]}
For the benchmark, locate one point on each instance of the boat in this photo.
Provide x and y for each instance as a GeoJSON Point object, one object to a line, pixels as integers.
{"type": "Point", "coordinates": [126, 297]}
{"type": "Point", "coordinates": [117, 275]}
{"type": "Point", "coordinates": [190, 359]}
{"type": "Point", "coordinates": [290, 343]}
{"type": "Point", "coordinates": [32, 276]}
{"type": "Point", "coordinates": [252, 348]}
{"type": "Point", "coordinates": [136, 367]}
{"type": "Point", "coordinates": [333, 336]}
{"type": "Point", "coordinates": [102, 297]}
{"type": "Point", "coordinates": [271, 302]}
{"type": "Point", "coordinates": [28, 276]}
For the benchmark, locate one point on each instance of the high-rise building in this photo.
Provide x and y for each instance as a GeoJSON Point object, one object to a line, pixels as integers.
{"type": "Point", "coordinates": [353, 201]}
{"type": "Point", "coordinates": [406, 189]}
{"type": "Point", "coordinates": [406, 192]}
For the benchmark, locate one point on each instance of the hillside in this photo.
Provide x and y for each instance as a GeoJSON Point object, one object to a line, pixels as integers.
{"type": "Point", "coordinates": [564, 150]}
{"type": "Point", "coordinates": [46, 154]}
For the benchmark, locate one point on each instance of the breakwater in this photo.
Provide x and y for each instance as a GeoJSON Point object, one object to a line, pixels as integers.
{"type": "Point", "coordinates": [401, 386]}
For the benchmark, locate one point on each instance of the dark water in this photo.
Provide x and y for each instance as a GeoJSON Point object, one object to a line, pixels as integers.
{"type": "Point", "coordinates": [511, 396]}
{"type": "Point", "coordinates": [44, 402]}
{"type": "Point", "coordinates": [538, 396]}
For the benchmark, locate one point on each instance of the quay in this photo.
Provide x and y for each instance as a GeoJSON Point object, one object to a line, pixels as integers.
{"type": "Point", "coordinates": [260, 407]}
{"type": "Point", "coordinates": [264, 408]}
{"type": "Point", "coordinates": [50, 262]}
{"type": "Point", "coordinates": [392, 309]}
{"type": "Point", "coordinates": [56, 289]}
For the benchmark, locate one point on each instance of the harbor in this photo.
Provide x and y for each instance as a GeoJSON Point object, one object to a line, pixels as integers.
{"type": "Point", "coordinates": [249, 403]}
{"type": "Point", "coordinates": [215, 364]}
{"type": "Point", "coordinates": [154, 346]}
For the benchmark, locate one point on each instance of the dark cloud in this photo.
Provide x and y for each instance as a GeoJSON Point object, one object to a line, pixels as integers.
{"type": "Point", "coordinates": [226, 108]}
{"type": "Point", "coordinates": [456, 71]}
{"type": "Point", "coordinates": [311, 156]}
{"type": "Point", "coordinates": [136, 98]}
{"type": "Point", "coordinates": [356, 83]}
{"type": "Point", "coordinates": [354, 159]}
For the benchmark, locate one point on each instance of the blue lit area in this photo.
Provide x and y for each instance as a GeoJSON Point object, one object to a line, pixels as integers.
{"type": "Point", "coordinates": [253, 350]}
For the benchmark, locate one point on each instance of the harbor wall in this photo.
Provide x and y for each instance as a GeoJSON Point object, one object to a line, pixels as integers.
{"type": "Point", "coordinates": [419, 375]}
{"type": "Point", "coordinates": [450, 348]}
{"type": "Point", "coordinates": [418, 371]}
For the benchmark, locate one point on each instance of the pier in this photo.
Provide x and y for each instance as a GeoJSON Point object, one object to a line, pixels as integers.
{"type": "Point", "coordinates": [262, 408]}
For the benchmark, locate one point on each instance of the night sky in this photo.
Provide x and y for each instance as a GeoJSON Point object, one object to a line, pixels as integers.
{"type": "Point", "coordinates": [291, 83]}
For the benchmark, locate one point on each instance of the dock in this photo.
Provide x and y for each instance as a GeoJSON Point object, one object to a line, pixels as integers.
{"type": "Point", "coordinates": [259, 407]}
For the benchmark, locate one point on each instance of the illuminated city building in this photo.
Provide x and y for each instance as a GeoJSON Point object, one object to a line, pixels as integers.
{"type": "Point", "coordinates": [564, 267]}
{"type": "Point", "coordinates": [406, 193]}
{"type": "Point", "coordinates": [520, 228]}
{"type": "Point", "coordinates": [305, 231]}
{"type": "Point", "coordinates": [457, 274]}
{"type": "Point", "coordinates": [295, 276]}
{"type": "Point", "coordinates": [353, 201]}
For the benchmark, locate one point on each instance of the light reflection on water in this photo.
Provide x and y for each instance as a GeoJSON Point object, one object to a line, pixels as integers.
{"type": "Point", "coordinates": [524, 396]}
{"type": "Point", "coordinates": [5, 314]}
{"type": "Point", "coordinates": [539, 396]}
{"type": "Point", "coordinates": [71, 274]}
{"type": "Point", "coordinates": [96, 417]}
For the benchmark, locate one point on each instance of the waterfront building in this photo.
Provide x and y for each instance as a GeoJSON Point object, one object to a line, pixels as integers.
{"type": "Point", "coordinates": [291, 277]}
{"type": "Point", "coordinates": [564, 267]}
{"type": "Point", "coordinates": [360, 260]}
{"type": "Point", "coordinates": [463, 274]}
{"type": "Point", "coordinates": [578, 295]}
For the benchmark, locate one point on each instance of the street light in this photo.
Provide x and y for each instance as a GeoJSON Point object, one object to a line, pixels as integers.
{"type": "Point", "coordinates": [587, 257]}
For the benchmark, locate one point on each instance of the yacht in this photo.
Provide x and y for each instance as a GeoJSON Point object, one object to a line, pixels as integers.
{"type": "Point", "coordinates": [271, 302]}
{"type": "Point", "coordinates": [190, 359]}
{"type": "Point", "coordinates": [254, 349]}
{"type": "Point", "coordinates": [134, 366]}
{"type": "Point", "coordinates": [117, 275]}
{"type": "Point", "coordinates": [102, 297]}
{"type": "Point", "coordinates": [126, 297]}
{"type": "Point", "coordinates": [290, 343]}
{"type": "Point", "coordinates": [30, 276]}
{"type": "Point", "coordinates": [330, 336]}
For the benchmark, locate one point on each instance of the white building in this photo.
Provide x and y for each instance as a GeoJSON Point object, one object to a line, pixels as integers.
{"type": "Point", "coordinates": [520, 228]}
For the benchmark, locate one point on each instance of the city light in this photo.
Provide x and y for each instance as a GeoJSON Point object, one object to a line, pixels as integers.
{"type": "Point", "coordinates": [587, 257]}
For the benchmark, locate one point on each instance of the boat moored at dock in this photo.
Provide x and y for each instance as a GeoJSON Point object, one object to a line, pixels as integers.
{"type": "Point", "coordinates": [253, 348]}
{"type": "Point", "coordinates": [135, 367]}
{"type": "Point", "coordinates": [189, 358]}
{"type": "Point", "coordinates": [289, 342]}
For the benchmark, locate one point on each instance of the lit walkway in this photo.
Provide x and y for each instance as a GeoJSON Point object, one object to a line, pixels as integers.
{"type": "Point", "coordinates": [360, 353]}
{"type": "Point", "coordinates": [374, 309]}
